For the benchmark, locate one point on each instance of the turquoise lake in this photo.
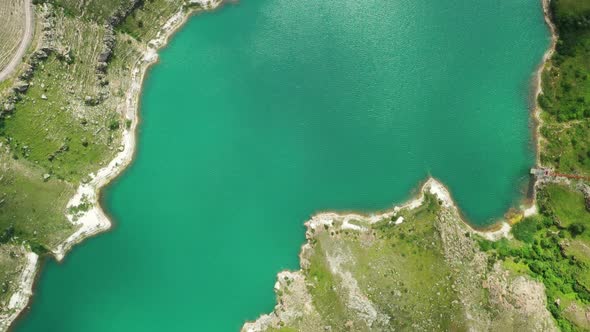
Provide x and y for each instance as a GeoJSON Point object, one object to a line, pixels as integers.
{"type": "Point", "coordinates": [264, 112]}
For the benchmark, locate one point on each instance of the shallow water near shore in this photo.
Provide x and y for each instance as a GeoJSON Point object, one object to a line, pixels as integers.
{"type": "Point", "coordinates": [265, 112]}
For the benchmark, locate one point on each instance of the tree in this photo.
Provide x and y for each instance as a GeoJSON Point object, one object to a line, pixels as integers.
{"type": "Point", "coordinates": [576, 229]}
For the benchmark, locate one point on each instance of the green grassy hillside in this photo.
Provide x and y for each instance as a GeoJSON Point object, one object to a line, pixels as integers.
{"type": "Point", "coordinates": [566, 90]}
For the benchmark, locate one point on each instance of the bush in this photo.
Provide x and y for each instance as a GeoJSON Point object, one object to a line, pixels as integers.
{"type": "Point", "coordinates": [485, 245]}
{"type": "Point", "coordinates": [114, 124]}
{"type": "Point", "coordinates": [576, 229]}
{"type": "Point", "coordinates": [525, 230]}
{"type": "Point", "coordinates": [7, 234]}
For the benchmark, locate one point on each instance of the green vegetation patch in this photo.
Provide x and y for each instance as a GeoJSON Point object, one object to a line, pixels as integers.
{"type": "Point", "coordinates": [579, 249]}
{"type": "Point", "coordinates": [516, 266]}
{"type": "Point", "coordinates": [567, 146]}
{"type": "Point", "coordinates": [555, 249]}
{"type": "Point", "coordinates": [566, 90]}
{"type": "Point", "coordinates": [571, 12]}
{"type": "Point", "coordinates": [404, 272]}
{"type": "Point", "coordinates": [31, 208]}
{"type": "Point", "coordinates": [50, 134]}
{"type": "Point", "coordinates": [575, 312]}
{"type": "Point", "coordinates": [323, 288]}
{"type": "Point", "coordinates": [54, 125]}
{"type": "Point", "coordinates": [525, 230]}
{"type": "Point", "coordinates": [283, 329]}
{"type": "Point", "coordinates": [565, 205]}
{"type": "Point", "coordinates": [98, 10]}
{"type": "Point", "coordinates": [400, 270]}
{"type": "Point", "coordinates": [566, 83]}
{"type": "Point", "coordinates": [144, 23]}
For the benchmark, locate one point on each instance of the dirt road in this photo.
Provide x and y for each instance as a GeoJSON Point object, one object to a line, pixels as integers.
{"type": "Point", "coordinates": [27, 36]}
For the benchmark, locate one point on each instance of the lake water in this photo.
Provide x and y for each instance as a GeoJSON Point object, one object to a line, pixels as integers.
{"type": "Point", "coordinates": [265, 112]}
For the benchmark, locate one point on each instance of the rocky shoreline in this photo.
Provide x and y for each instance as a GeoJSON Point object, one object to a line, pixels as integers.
{"type": "Point", "coordinates": [537, 81]}
{"type": "Point", "coordinates": [516, 295]}
{"type": "Point", "coordinates": [94, 220]}
{"type": "Point", "coordinates": [20, 299]}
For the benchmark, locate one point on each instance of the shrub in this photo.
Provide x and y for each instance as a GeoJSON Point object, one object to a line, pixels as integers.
{"type": "Point", "coordinates": [576, 229]}
{"type": "Point", "coordinates": [114, 124]}
{"type": "Point", "coordinates": [525, 230]}
{"type": "Point", "coordinates": [485, 245]}
{"type": "Point", "coordinates": [7, 234]}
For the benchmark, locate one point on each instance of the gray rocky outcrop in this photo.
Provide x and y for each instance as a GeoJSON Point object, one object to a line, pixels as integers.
{"type": "Point", "coordinates": [109, 38]}
{"type": "Point", "coordinates": [21, 87]}
{"type": "Point", "coordinates": [8, 107]}
{"type": "Point", "coordinates": [586, 190]}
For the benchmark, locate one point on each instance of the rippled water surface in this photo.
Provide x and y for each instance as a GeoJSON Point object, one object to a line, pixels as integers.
{"type": "Point", "coordinates": [267, 111]}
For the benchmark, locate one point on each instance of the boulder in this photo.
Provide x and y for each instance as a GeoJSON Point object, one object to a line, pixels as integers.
{"type": "Point", "coordinates": [41, 54]}
{"type": "Point", "coordinates": [21, 87]}
{"type": "Point", "coordinates": [8, 107]}
{"type": "Point", "coordinates": [91, 101]}
{"type": "Point", "coordinates": [101, 67]}
{"type": "Point", "coordinates": [27, 73]}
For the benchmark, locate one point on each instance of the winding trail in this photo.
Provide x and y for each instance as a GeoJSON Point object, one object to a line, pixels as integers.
{"type": "Point", "coordinates": [27, 36]}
